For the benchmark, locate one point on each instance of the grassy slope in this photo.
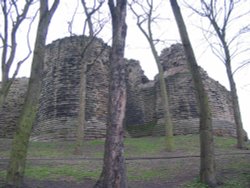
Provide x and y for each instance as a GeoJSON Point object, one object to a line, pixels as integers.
{"type": "Point", "coordinates": [232, 170]}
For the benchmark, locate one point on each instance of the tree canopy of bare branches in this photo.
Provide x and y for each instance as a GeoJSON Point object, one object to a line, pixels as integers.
{"type": "Point", "coordinates": [14, 14]}
{"type": "Point", "coordinates": [227, 42]}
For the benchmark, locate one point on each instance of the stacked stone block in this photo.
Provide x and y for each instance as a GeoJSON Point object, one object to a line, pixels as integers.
{"type": "Point", "coordinates": [60, 96]}
{"type": "Point", "coordinates": [11, 110]}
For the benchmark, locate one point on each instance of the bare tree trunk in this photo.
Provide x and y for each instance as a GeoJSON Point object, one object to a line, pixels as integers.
{"type": "Point", "coordinates": [149, 19]}
{"type": "Point", "coordinates": [114, 171]}
{"type": "Point", "coordinates": [3, 93]}
{"type": "Point", "coordinates": [81, 113]}
{"type": "Point", "coordinates": [16, 167]}
{"type": "Point", "coordinates": [220, 17]}
{"type": "Point", "coordinates": [207, 163]}
{"type": "Point", "coordinates": [164, 97]}
{"type": "Point", "coordinates": [236, 108]}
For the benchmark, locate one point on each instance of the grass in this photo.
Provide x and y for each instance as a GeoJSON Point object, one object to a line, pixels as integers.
{"type": "Point", "coordinates": [225, 143]}
{"type": "Point", "coordinates": [195, 184]}
{"type": "Point", "coordinates": [134, 147]}
{"type": "Point", "coordinates": [75, 172]}
{"type": "Point", "coordinates": [59, 172]}
{"type": "Point", "coordinates": [149, 170]}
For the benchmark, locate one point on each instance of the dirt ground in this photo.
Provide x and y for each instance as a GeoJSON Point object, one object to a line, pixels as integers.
{"type": "Point", "coordinates": [90, 184]}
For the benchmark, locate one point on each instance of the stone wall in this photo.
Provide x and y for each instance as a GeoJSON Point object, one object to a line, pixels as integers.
{"type": "Point", "coordinates": [60, 97]}
{"type": "Point", "coordinates": [140, 107]}
{"type": "Point", "coordinates": [10, 112]}
{"type": "Point", "coordinates": [182, 100]}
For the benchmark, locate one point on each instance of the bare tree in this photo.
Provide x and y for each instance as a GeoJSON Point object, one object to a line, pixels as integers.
{"type": "Point", "coordinates": [114, 172]}
{"type": "Point", "coordinates": [89, 12]}
{"type": "Point", "coordinates": [207, 162]}
{"type": "Point", "coordinates": [87, 60]}
{"type": "Point", "coordinates": [85, 53]}
{"type": "Point", "coordinates": [16, 167]}
{"type": "Point", "coordinates": [14, 14]}
{"type": "Point", "coordinates": [147, 18]}
{"type": "Point", "coordinates": [227, 46]}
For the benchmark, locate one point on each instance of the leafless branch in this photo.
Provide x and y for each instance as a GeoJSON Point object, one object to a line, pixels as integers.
{"type": "Point", "coordinates": [29, 47]}
{"type": "Point", "coordinates": [70, 23]}
{"type": "Point", "coordinates": [221, 14]}
{"type": "Point", "coordinates": [13, 18]}
{"type": "Point", "coordinates": [89, 12]}
{"type": "Point", "coordinates": [241, 66]}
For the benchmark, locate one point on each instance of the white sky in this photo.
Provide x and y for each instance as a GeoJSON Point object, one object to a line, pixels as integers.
{"type": "Point", "coordinates": [137, 46]}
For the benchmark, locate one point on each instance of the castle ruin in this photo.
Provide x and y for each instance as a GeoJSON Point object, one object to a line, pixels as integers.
{"type": "Point", "coordinates": [59, 101]}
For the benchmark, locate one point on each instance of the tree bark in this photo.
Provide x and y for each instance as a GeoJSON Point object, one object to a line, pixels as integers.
{"type": "Point", "coordinates": [207, 162]}
{"type": "Point", "coordinates": [164, 97]}
{"type": "Point", "coordinates": [114, 171]}
{"type": "Point", "coordinates": [81, 114]}
{"type": "Point", "coordinates": [236, 108]}
{"type": "Point", "coordinates": [163, 89]}
{"type": "Point", "coordinates": [16, 166]}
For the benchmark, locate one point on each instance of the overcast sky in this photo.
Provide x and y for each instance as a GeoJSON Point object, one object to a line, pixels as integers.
{"type": "Point", "coordinates": [137, 46]}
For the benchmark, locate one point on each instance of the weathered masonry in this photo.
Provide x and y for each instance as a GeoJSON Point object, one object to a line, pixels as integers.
{"type": "Point", "coordinates": [59, 101]}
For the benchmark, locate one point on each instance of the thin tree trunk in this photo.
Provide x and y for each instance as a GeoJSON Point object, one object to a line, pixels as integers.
{"type": "Point", "coordinates": [163, 89]}
{"type": "Point", "coordinates": [207, 163]}
{"type": "Point", "coordinates": [16, 167]}
{"type": "Point", "coordinates": [167, 114]}
{"type": "Point", "coordinates": [4, 89]}
{"type": "Point", "coordinates": [164, 97]}
{"type": "Point", "coordinates": [221, 33]}
{"type": "Point", "coordinates": [3, 94]}
{"type": "Point", "coordinates": [236, 108]}
{"type": "Point", "coordinates": [114, 171]}
{"type": "Point", "coordinates": [81, 114]}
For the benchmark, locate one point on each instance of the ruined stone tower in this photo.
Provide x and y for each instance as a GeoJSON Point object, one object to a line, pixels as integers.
{"type": "Point", "coordinates": [183, 106]}
{"type": "Point", "coordinates": [59, 102]}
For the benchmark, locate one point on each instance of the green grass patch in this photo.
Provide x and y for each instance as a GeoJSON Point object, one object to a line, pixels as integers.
{"type": "Point", "coordinates": [147, 146]}
{"type": "Point", "coordinates": [155, 146]}
{"type": "Point", "coordinates": [50, 149]}
{"type": "Point", "coordinates": [134, 147]}
{"type": "Point", "coordinates": [225, 142]}
{"type": "Point", "coordinates": [195, 184]}
{"type": "Point", "coordinates": [97, 142]}
{"type": "Point", "coordinates": [144, 174]}
{"type": "Point", "coordinates": [2, 174]}
{"type": "Point", "coordinates": [75, 172]}
{"type": "Point", "coordinates": [236, 183]}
